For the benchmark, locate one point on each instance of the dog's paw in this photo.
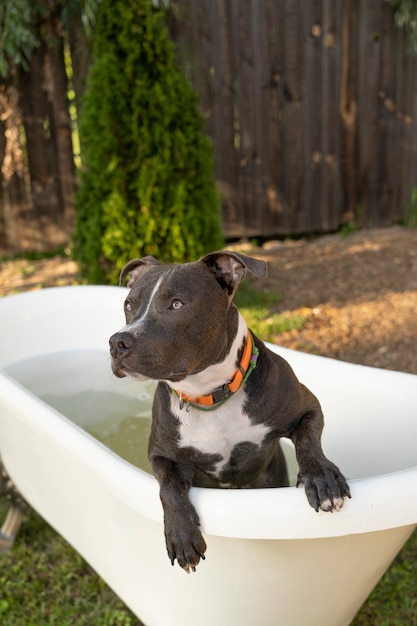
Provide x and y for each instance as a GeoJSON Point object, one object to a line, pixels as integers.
{"type": "Point", "coordinates": [325, 488]}
{"type": "Point", "coordinates": [185, 543]}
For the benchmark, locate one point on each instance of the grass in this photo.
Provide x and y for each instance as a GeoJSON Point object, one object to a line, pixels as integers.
{"type": "Point", "coordinates": [45, 582]}
{"type": "Point", "coordinates": [257, 308]}
{"type": "Point", "coordinates": [394, 600]}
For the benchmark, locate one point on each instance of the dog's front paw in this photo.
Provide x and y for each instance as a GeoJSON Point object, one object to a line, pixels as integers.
{"type": "Point", "coordinates": [325, 487]}
{"type": "Point", "coordinates": [184, 541]}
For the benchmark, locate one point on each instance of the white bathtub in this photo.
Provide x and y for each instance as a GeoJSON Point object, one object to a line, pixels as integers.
{"type": "Point", "coordinates": [270, 558]}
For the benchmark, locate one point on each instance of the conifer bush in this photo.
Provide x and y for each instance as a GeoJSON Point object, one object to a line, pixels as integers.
{"type": "Point", "coordinates": [147, 181]}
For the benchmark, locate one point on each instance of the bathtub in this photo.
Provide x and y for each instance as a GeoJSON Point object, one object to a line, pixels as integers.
{"type": "Point", "coordinates": [271, 558]}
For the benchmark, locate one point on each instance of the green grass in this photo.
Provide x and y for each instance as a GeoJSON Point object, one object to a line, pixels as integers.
{"type": "Point", "coordinates": [394, 600]}
{"type": "Point", "coordinates": [257, 308]}
{"type": "Point", "coordinates": [45, 582]}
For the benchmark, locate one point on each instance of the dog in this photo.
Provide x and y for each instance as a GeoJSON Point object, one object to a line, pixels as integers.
{"type": "Point", "coordinates": [223, 399]}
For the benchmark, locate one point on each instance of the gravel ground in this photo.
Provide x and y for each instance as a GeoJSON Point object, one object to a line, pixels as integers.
{"type": "Point", "coordinates": [358, 293]}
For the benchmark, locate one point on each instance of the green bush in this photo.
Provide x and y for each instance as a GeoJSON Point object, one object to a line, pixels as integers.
{"type": "Point", "coordinates": [147, 181]}
{"type": "Point", "coordinates": [405, 15]}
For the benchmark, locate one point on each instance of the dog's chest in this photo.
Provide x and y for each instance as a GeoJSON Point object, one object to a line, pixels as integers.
{"type": "Point", "coordinates": [220, 430]}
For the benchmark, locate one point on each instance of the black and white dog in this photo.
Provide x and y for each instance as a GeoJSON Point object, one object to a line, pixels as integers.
{"type": "Point", "coordinates": [223, 399]}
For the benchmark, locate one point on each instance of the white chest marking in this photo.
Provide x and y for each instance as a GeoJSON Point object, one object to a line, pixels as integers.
{"type": "Point", "coordinates": [218, 431]}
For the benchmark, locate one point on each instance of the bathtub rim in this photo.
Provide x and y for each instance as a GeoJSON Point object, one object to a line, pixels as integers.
{"type": "Point", "coordinates": [280, 513]}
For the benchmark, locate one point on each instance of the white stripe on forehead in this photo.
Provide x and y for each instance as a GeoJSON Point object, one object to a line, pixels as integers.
{"type": "Point", "coordinates": [139, 320]}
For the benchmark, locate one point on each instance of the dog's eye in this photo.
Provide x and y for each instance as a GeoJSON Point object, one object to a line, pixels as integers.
{"type": "Point", "coordinates": [176, 304]}
{"type": "Point", "coordinates": [128, 306]}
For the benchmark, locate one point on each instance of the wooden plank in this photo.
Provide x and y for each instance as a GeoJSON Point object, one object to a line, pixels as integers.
{"type": "Point", "coordinates": [409, 120]}
{"type": "Point", "coordinates": [393, 154]}
{"type": "Point", "coordinates": [274, 208]}
{"type": "Point", "coordinates": [387, 93]}
{"type": "Point", "coordinates": [292, 113]}
{"type": "Point", "coordinates": [331, 207]}
{"type": "Point", "coordinates": [406, 117]}
{"type": "Point", "coordinates": [308, 216]}
{"type": "Point", "coordinates": [243, 63]}
{"type": "Point", "coordinates": [259, 218]}
{"type": "Point", "coordinates": [223, 121]}
{"type": "Point", "coordinates": [348, 106]}
{"type": "Point", "coordinates": [250, 62]}
{"type": "Point", "coordinates": [203, 54]}
{"type": "Point", "coordinates": [372, 136]}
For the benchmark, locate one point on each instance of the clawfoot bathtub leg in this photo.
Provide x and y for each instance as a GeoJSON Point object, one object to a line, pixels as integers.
{"type": "Point", "coordinates": [15, 514]}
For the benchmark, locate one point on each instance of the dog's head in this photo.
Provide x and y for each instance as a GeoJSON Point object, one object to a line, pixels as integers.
{"type": "Point", "coordinates": [179, 318]}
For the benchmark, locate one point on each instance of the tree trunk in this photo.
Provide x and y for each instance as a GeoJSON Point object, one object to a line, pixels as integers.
{"type": "Point", "coordinates": [34, 107]}
{"type": "Point", "coordinates": [16, 234]}
{"type": "Point", "coordinates": [3, 186]}
{"type": "Point", "coordinates": [56, 84]}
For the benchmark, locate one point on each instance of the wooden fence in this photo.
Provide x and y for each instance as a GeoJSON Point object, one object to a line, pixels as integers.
{"type": "Point", "coordinates": [312, 109]}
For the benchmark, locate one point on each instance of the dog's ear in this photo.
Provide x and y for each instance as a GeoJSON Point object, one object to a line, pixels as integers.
{"type": "Point", "coordinates": [136, 268]}
{"type": "Point", "coordinates": [230, 267]}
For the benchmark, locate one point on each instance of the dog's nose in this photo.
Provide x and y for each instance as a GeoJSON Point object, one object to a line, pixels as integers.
{"type": "Point", "coordinates": [121, 344]}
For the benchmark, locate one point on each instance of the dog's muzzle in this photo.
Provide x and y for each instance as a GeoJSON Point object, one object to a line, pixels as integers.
{"type": "Point", "coordinates": [121, 345]}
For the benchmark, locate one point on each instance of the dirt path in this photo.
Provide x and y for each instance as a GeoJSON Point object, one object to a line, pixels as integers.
{"type": "Point", "coordinates": [357, 293]}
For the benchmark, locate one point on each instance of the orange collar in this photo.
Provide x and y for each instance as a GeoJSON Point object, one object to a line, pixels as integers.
{"type": "Point", "coordinates": [221, 394]}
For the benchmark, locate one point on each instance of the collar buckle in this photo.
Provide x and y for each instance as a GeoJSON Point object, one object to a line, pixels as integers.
{"type": "Point", "coordinates": [221, 393]}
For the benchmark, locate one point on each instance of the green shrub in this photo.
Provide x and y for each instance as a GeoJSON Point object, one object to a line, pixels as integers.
{"type": "Point", "coordinates": [147, 181]}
